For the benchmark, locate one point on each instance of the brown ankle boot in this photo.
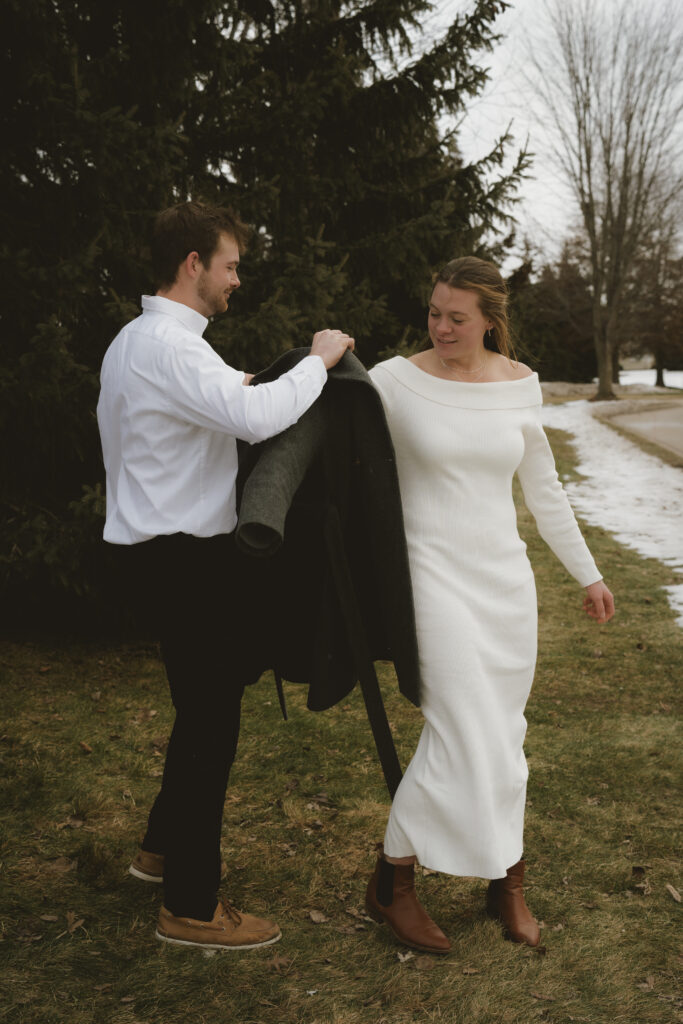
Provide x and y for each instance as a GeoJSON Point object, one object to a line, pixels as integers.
{"type": "Point", "coordinates": [505, 902]}
{"type": "Point", "coordinates": [391, 899]}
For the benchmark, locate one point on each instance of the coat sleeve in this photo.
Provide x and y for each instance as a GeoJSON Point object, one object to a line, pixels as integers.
{"type": "Point", "coordinates": [547, 501]}
{"type": "Point", "coordinates": [274, 479]}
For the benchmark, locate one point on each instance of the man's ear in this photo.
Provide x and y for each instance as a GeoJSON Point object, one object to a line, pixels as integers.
{"type": "Point", "coordinates": [192, 265]}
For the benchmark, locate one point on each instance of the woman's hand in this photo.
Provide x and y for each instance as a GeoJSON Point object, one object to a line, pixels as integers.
{"type": "Point", "coordinates": [598, 602]}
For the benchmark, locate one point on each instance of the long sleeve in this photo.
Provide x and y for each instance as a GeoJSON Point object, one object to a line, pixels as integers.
{"type": "Point", "coordinates": [545, 498]}
{"type": "Point", "coordinates": [204, 391]}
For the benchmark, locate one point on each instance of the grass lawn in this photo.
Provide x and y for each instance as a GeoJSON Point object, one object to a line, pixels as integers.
{"type": "Point", "coordinates": [82, 741]}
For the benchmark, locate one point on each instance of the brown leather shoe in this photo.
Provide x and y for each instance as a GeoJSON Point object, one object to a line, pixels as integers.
{"type": "Point", "coordinates": [150, 866]}
{"type": "Point", "coordinates": [505, 902]}
{"type": "Point", "coordinates": [391, 899]}
{"type": "Point", "coordinates": [147, 866]}
{"type": "Point", "coordinates": [227, 930]}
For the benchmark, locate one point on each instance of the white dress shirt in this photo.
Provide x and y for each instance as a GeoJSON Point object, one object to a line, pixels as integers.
{"type": "Point", "coordinates": [169, 412]}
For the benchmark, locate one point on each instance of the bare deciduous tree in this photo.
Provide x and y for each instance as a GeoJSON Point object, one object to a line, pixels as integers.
{"type": "Point", "coordinates": [609, 74]}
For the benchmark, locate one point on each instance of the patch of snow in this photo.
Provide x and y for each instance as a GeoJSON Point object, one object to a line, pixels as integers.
{"type": "Point", "coordinates": [672, 378]}
{"type": "Point", "coordinates": [635, 496]}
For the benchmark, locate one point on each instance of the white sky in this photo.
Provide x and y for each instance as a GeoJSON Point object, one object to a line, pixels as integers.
{"type": "Point", "coordinates": [546, 211]}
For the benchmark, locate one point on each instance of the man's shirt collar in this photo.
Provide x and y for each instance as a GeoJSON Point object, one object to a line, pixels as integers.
{"type": "Point", "coordinates": [189, 318]}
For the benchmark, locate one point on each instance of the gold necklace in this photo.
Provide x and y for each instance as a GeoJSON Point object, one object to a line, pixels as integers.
{"type": "Point", "coordinates": [479, 370]}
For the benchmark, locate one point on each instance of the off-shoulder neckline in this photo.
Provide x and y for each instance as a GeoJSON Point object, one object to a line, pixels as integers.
{"type": "Point", "coordinates": [466, 383]}
{"type": "Point", "coordinates": [524, 392]}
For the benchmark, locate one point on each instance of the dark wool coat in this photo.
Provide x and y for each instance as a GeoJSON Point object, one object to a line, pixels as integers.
{"type": "Point", "coordinates": [319, 506]}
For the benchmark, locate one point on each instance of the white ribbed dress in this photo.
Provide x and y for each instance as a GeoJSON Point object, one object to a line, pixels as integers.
{"type": "Point", "coordinates": [460, 806]}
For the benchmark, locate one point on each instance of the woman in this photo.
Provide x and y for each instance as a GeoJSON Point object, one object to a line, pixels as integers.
{"type": "Point", "coordinates": [464, 417]}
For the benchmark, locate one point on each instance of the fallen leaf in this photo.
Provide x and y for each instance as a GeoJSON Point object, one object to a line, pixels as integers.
{"type": "Point", "coordinates": [128, 999]}
{"type": "Point", "coordinates": [558, 928]}
{"type": "Point", "coordinates": [144, 715]}
{"type": "Point", "coordinates": [85, 747]}
{"type": "Point", "coordinates": [428, 871]}
{"type": "Point", "coordinates": [71, 922]}
{"type": "Point", "coordinates": [103, 988]}
{"type": "Point", "coordinates": [673, 892]}
{"type": "Point", "coordinates": [317, 916]}
{"type": "Point", "coordinates": [279, 964]}
{"type": "Point", "coordinates": [404, 957]}
{"type": "Point", "coordinates": [424, 963]}
{"type": "Point", "coordinates": [96, 695]}
{"type": "Point", "coordinates": [311, 991]}
{"type": "Point", "coordinates": [49, 917]}
{"type": "Point", "coordinates": [470, 970]}
{"type": "Point", "coordinates": [648, 984]}
{"type": "Point", "coordinates": [45, 668]}
{"type": "Point", "coordinates": [61, 865]}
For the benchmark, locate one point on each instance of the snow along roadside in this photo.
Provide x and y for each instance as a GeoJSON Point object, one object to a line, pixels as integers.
{"type": "Point", "coordinates": [636, 497]}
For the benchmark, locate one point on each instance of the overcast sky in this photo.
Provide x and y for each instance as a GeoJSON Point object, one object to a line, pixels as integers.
{"type": "Point", "coordinates": [546, 211]}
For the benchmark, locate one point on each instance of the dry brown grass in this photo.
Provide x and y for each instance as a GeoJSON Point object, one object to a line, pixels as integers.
{"type": "Point", "coordinates": [306, 804]}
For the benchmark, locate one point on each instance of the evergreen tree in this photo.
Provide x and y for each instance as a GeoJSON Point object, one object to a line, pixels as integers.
{"type": "Point", "coordinates": [552, 314]}
{"type": "Point", "coordinates": [320, 121]}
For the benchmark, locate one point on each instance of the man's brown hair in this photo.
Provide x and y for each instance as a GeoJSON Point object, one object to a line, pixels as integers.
{"type": "Point", "coordinates": [191, 227]}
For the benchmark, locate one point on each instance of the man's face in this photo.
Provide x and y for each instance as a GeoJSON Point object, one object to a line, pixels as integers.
{"type": "Point", "coordinates": [216, 282]}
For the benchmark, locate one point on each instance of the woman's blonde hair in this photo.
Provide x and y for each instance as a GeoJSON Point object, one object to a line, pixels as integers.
{"type": "Point", "coordinates": [479, 276]}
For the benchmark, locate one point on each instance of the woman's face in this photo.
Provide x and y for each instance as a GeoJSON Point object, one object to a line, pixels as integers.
{"type": "Point", "coordinates": [456, 323]}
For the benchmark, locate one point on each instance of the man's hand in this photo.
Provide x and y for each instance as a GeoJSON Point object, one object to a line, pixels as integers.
{"type": "Point", "coordinates": [598, 602]}
{"type": "Point", "coordinates": [247, 379]}
{"type": "Point", "coordinates": [331, 346]}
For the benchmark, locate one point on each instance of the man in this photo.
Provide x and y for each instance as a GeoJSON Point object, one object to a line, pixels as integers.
{"type": "Point", "coordinates": [170, 411]}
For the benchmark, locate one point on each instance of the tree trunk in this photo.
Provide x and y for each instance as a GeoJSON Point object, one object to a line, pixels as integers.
{"type": "Point", "coordinates": [603, 353]}
{"type": "Point", "coordinates": [659, 366]}
{"type": "Point", "coordinates": [615, 364]}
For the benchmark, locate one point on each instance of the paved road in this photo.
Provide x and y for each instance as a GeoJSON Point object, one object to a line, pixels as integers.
{"type": "Point", "coordinates": [663, 426]}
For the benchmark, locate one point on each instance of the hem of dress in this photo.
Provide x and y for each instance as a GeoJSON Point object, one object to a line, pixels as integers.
{"type": "Point", "coordinates": [469, 871]}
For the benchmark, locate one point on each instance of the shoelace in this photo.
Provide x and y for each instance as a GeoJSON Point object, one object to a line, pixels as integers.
{"type": "Point", "coordinates": [229, 911]}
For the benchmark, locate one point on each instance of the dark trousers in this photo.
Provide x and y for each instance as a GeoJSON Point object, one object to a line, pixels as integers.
{"type": "Point", "coordinates": [200, 593]}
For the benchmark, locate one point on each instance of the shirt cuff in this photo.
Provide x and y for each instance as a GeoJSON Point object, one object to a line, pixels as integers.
{"type": "Point", "coordinates": [315, 366]}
